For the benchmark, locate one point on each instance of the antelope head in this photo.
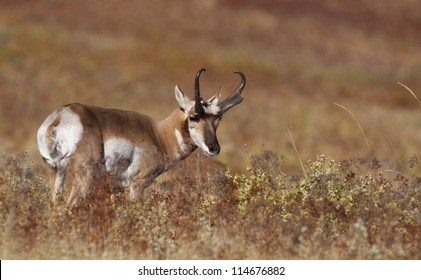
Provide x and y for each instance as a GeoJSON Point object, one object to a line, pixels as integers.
{"type": "Point", "coordinates": [202, 117]}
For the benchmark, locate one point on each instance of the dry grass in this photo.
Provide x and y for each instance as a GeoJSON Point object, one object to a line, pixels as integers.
{"type": "Point", "coordinates": [354, 209]}
{"type": "Point", "coordinates": [358, 124]}
{"type": "Point", "coordinates": [300, 57]}
{"type": "Point", "coordinates": [411, 92]}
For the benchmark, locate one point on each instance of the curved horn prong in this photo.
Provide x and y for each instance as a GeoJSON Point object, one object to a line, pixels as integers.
{"type": "Point", "coordinates": [198, 100]}
{"type": "Point", "coordinates": [242, 84]}
{"type": "Point", "coordinates": [215, 98]}
{"type": "Point", "coordinates": [235, 98]}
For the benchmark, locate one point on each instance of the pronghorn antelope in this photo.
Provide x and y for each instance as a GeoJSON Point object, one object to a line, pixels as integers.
{"type": "Point", "coordinates": [77, 139]}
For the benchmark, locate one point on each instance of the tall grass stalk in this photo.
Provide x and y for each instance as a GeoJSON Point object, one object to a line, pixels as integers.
{"type": "Point", "coordinates": [395, 153]}
{"type": "Point", "coordinates": [411, 92]}
{"type": "Point", "coordinates": [291, 139]}
{"type": "Point", "coordinates": [359, 125]}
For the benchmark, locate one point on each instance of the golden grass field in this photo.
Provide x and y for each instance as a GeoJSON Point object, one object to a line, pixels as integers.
{"type": "Point", "coordinates": [322, 88]}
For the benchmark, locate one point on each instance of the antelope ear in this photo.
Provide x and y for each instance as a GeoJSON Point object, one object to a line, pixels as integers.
{"type": "Point", "coordinates": [183, 101]}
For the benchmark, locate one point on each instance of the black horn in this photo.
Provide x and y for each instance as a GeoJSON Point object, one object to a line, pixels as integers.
{"type": "Point", "coordinates": [242, 84]}
{"type": "Point", "coordinates": [198, 100]}
{"type": "Point", "coordinates": [236, 97]}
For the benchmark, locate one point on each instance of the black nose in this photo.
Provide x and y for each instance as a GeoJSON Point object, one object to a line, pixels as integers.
{"type": "Point", "coordinates": [214, 149]}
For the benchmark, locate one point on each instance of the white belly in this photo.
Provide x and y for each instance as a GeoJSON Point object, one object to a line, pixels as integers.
{"type": "Point", "coordinates": [122, 158]}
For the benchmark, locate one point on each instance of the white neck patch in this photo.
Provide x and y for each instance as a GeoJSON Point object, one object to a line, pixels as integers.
{"type": "Point", "coordinates": [180, 141]}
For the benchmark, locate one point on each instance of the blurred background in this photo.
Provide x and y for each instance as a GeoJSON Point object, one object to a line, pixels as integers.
{"type": "Point", "coordinates": [300, 57]}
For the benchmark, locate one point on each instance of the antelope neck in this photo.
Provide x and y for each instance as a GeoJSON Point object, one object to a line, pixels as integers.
{"type": "Point", "coordinates": [174, 137]}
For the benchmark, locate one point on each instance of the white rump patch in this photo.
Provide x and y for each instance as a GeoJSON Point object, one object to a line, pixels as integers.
{"type": "Point", "coordinates": [64, 137]}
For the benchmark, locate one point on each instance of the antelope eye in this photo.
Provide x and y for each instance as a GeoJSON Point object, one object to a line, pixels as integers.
{"type": "Point", "coordinates": [194, 118]}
